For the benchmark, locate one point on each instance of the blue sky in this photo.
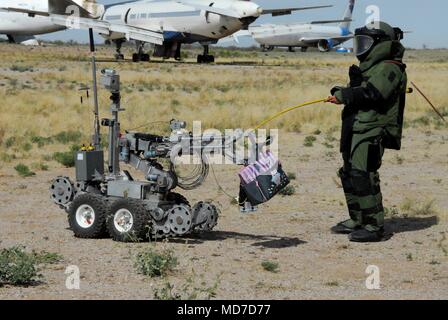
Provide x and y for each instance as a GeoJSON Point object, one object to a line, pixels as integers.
{"type": "Point", "coordinates": [425, 18]}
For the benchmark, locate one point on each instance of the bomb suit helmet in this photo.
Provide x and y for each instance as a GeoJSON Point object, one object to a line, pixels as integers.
{"type": "Point", "coordinates": [367, 37]}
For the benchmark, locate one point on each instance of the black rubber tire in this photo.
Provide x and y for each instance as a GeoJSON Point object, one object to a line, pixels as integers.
{"type": "Point", "coordinates": [200, 58]}
{"type": "Point", "coordinates": [177, 198]}
{"type": "Point", "coordinates": [141, 221]}
{"type": "Point", "coordinates": [100, 207]}
{"type": "Point", "coordinates": [145, 57]}
{"type": "Point", "coordinates": [135, 57]}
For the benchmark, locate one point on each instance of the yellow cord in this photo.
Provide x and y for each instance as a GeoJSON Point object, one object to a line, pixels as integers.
{"type": "Point", "coordinates": [279, 114]}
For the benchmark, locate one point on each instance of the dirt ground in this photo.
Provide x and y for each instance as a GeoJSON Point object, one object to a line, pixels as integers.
{"type": "Point", "coordinates": [292, 231]}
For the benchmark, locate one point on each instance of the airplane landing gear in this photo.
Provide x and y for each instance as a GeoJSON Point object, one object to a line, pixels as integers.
{"type": "Point", "coordinates": [118, 55]}
{"type": "Point", "coordinates": [206, 57]}
{"type": "Point", "coordinates": [266, 48]}
{"type": "Point", "coordinates": [304, 49]}
{"type": "Point", "coordinates": [140, 55]}
{"type": "Point", "coordinates": [291, 49]}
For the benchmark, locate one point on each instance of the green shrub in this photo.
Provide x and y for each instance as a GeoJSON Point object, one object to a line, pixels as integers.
{"type": "Point", "coordinates": [391, 212]}
{"type": "Point", "coordinates": [13, 82]}
{"type": "Point", "coordinates": [24, 171]}
{"type": "Point", "coordinates": [40, 166]}
{"type": "Point", "coordinates": [41, 141]}
{"type": "Point", "coordinates": [20, 268]}
{"type": "Point", "coordinates": [309, 141]}
{"type": "Point", "coordinates": [21, 68]}
{"type": "Point", "coordinates": [154, 264]}
{"type": "Point", "coordinates": [270, 266]}
{"type": "Point", "coordinates": [7, 157]}
{"type": "Point", "coordinates": [27, 147]}
{"type": "Point", "coordinates": [66, 137]}
{"type": "Point", "coordinates": [67, 159]}
{"type": "Point", "coordinates": [45, 257]}
{"type": "Point", "coordinates": [423, 121]}
{"type": "Point", "coordinates": [17, 267]}
{"type": "Point", "coordinates": [9, 142]}
{"type": "Point", "coordinates": [288, 191]}
{"type": "Point", "coordinates": [166, 293]}
{"type": "Point", "coordinates": [291, 176]}
{"type": "Point", "coordinates": [191, 289]}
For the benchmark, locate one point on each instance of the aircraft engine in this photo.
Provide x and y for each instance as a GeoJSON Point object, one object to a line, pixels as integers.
{"type": "Point", "coordinates": [325, 45]}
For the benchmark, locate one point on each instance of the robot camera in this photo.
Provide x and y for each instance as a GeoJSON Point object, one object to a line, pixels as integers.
{"type": "Point", "coordinates": [110, 80]}
{"type": "Point", "coordinates": [176, 125]}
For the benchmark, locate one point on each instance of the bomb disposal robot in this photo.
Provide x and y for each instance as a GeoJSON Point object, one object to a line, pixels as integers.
{"type": "Point", "coordinates": [110, 201]}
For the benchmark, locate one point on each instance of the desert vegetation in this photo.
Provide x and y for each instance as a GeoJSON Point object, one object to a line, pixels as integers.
{"type": "Point", "coordinates": [50, 118]}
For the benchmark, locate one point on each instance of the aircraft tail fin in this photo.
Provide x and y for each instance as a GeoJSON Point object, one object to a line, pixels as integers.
{"type": "Point", "coordinates": [348, 16]}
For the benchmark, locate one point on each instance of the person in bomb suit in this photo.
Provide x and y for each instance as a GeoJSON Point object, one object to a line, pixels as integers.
{"type": "Point", "coordinates": [372, 121]}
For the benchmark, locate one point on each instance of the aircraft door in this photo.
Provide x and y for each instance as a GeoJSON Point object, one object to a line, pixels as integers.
{"type": "Point", "coordinates": [126, 16]}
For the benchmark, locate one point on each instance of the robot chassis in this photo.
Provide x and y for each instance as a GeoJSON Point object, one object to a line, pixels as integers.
{"type": "Point", "coordinates": [111, 202]}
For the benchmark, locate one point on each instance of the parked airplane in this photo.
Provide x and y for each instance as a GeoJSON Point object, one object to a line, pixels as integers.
{"type": "Point", "coordinates": [314, 34]}
{"type": "Point", "coordinates": [22, 28]}
{"type": "Point", "coordinates": [165, 23]}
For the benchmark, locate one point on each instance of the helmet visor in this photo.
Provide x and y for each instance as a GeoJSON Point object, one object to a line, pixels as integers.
{"type": "Point", "coordinates": [362, 44]}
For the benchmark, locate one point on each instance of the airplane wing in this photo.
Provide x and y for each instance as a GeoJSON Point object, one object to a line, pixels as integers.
{"type": "Point", "coordinates": [100, 26]}
{"type": "Point", "coordinates": [31, 13]}
{"type": "Point", "coordinates": [330, 21]}
{"type": "Point", "coordinates": [315, 40]}
{"type": "Point", "coordinates": [105, 27]}
{"type": "Point", "coordinates": [233, 14]}
{"type": "Point", "coordinates": [286, 11]}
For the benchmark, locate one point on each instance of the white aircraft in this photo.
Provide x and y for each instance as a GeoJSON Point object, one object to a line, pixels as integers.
{"type": "Point", "coordinates": [167, 24]}
{"type": "Point", "coordinates": [314, 34]}
{"type": "Point", "coordinates": [21, 27]}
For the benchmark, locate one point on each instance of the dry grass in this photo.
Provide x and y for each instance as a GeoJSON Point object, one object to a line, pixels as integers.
{"type": "Point", "coordinates": [40, 96]}
{"type": "Point", "coordinates": [419, 208]}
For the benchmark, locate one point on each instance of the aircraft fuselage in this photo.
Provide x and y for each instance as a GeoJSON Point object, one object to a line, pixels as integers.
{"type": "Point", "coordinates": [22, 24]}
{"type": "Point", "coordinates": [181, 22]}
{"type": "Point", "coordinates": [294, 35]}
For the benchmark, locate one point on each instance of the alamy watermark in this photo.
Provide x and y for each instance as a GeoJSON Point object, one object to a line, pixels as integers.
{"type": "Point", "coordinates": [374, 17]}
{"type": "Point", "coordinates": [229, 146]}
{"type": "Point", "coordinates": [73, 280]}
{"type": "Point", "coordinates": [373, 281]}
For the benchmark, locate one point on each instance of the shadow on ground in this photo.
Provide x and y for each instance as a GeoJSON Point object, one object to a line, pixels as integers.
{"type": "Point", "coordinates": [402, 224]}
{"type": "Point", "coordinates": [265, 241]}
